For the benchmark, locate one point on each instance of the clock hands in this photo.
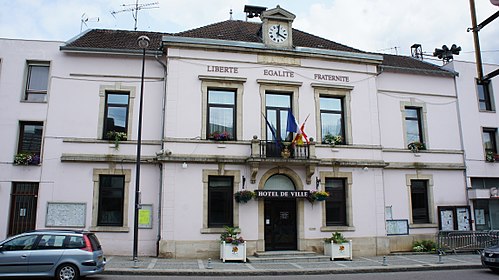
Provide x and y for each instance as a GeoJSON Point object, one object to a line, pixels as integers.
{"type": "Point", "coordinates": [279, 32]}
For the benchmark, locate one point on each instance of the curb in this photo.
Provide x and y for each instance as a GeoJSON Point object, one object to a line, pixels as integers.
{"type": "Point", "coordinates": [273, 272]}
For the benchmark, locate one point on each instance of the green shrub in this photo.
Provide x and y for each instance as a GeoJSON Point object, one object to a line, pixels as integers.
{"type": "Point", "coordinates": [424, 246]}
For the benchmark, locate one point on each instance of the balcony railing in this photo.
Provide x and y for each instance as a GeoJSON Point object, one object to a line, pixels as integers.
{"type": "Point", "coordinates": [272, 149]}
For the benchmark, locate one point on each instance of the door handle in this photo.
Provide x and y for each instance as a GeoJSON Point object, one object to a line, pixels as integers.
{"type": "Point", "coordinates": [24, 256]}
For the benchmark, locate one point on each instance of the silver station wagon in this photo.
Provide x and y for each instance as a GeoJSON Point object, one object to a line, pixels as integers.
{"type": "Point", "coordinates": [63, 254]}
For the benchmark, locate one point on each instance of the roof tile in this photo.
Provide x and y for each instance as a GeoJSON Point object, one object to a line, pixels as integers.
{"type": "Point", "coordinates": [236, 30]}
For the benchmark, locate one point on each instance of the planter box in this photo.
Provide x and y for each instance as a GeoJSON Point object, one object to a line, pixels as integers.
{"type": "Point", "coordinates": [231, 252]}
{"type": "Point", "coordinates": [338, 251]}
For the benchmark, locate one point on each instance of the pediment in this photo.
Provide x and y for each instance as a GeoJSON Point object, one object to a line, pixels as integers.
{"type": "Point", "coordinates": [278, 13]}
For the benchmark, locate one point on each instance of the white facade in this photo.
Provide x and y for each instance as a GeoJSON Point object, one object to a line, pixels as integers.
{"type": "Point", "coordinates": [373, 163]}
{"type": "Point", "coordinates": [479, 124]}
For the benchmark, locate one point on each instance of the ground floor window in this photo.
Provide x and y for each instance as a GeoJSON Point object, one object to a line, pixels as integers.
{"type": "Point", "coordinates": [220, 201]}
{"type": "Point", "coordinates": [111, 195]}
{"type": "Point", "coordinates": [336, 202]}
{"type": "Point", "coordinates": [419, 202]}
{"type": "Point", "coordinates": [110, 200]}
{"type": "Point", "coordinates": [486, 214]}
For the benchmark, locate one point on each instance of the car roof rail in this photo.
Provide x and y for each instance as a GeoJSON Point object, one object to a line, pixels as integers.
{"type": "Point", "coordinates": [57, 230]}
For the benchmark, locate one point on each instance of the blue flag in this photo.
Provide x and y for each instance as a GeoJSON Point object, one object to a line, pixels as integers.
{"type": "Point", "coordinates": [292, 125]}
{"type": "Point", "coordinates": [272, 129]}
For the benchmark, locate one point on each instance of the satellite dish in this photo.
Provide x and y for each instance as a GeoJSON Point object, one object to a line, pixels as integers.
{"type": "Point", "coordinates": [495, 2]}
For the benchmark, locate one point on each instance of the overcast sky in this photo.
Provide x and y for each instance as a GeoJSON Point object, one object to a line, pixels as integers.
{"type": "Point", "coordinates": [386, 26]}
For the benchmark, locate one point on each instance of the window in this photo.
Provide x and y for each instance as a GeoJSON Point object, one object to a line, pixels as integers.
{"type": "Point", "coordinates": [489, 141]}
{"type": "Point", "coordinates": [419, 202]}
{"type": "Point", "coordinates": [75, 242]}
{"type": "Point", "coordinates": [30, 138]}
{"type": "Point", "coordinates": [413, 124]}
{"type": "Point", "coordinates": [51, 242]}
{"type": "Point", "coordinates": [277, 108]}
{"type": "Point", "coordinates": [221, 114]}
{"type": "Point", "coordinates": [336, 202]}
{"type": "Point", "coordinates": [20, 243]}
{"type": "Point", "coordinates": [116, 113]}
{"type": "Point", "coordinates": [220, 201]}
{"type": "Point", "coordinates": [332, 118]}
{"type": "Point", "coordinates": [111, 200]}
{"type": "Point", "coordinates": [37, 81]}
{"type": "Point", "coordinates": [484, 95]}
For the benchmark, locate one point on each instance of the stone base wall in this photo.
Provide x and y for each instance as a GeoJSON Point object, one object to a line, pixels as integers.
{"type": "Point", "coordinates": [196, 249]}
{"type": "Point", "coordinates": [404, 243]}
{"type": "Point", "coordinates": [363, 246]}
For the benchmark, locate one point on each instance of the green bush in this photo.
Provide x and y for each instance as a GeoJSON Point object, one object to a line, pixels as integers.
{"type": "Point", "coordinates": [424, 246]}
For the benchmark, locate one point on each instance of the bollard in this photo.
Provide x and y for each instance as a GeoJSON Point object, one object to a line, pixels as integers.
{"type": "Point", "coordinates": [384, 262]}
{"type": "Point", "coordinates": [440, 258]}
{"type": "Point", "coordinates": [209, 266]}
{"type": "Point", "coordinates": [135, 263]}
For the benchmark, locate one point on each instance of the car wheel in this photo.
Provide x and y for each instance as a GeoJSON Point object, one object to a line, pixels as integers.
{"type": "Point", "coordinates": [67, 272]}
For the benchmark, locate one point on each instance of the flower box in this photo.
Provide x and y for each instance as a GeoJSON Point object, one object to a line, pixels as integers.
{"type": "Point", "coordinates": [338, 250]}
{"type": "Point", "coordinates": [317, 196]}
{"type": "Point", "coordinates": [232, 252]}
{"type": "Point", "coordinates": [244, 196]}
{"type": "Point", "coordinates": [26, 159]}
{"type": "Point", "coordinates": [220, 136]}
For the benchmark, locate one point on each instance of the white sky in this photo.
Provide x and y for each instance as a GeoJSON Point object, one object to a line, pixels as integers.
{"type": "Point", "coordinates": [369, 25]}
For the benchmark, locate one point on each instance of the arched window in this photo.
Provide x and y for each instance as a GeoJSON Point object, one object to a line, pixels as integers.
{"type": "Point", "coordinates": [279, 182]}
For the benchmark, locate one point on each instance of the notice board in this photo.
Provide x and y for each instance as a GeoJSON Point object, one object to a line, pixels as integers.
{"type": "Point", "coordinates": [64, 214]}
{"type": "Point", "coordinates": [397, 227]}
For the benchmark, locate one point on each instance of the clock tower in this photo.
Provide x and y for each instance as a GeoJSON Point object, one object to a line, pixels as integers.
{"type": "Point", "coordinates": [277, 29]}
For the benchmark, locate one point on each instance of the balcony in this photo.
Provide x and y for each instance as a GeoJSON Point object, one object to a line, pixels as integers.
{"type": "Point", "coordinates": [272, 149]}
{"type": "Point", "coordinates": [282, 154]}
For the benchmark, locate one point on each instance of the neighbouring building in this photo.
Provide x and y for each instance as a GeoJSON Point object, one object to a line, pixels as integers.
{"type": "Point", "coordinates": [387, 140]}
{"type": "Point", "coordinates": [479, 123]}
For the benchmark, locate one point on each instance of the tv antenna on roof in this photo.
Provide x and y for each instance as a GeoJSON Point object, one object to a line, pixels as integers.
{"type": "Point", "coordinates": [85, 19]}
{"type": "Point", "coordinates": [135, 8]}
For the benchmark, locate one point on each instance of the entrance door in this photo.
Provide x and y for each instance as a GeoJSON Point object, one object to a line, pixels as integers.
{"type": "Point", "coordinates": [23, 207]}
{"type": "Point", "coordinates": [280, 224]}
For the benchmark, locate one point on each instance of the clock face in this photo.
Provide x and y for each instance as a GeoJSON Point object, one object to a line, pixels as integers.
{"type": "Point", "coordinates": [278, 33]}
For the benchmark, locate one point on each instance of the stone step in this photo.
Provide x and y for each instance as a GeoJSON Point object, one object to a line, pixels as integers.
{"type": "Point", "coordinates": [287, 257]}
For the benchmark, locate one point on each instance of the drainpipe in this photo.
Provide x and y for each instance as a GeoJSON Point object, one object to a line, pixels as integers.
{"type": "Point", "coordinates": [461, 138]}
{"type": "Point", "coordinates": [161, 182]}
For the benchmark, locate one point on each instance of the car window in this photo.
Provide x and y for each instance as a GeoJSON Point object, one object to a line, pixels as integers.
{"type": "Point", "coordinates": [94, 241]}
{"type": "Point", "coordinates": [75, 242]}
{"type": "Point", "coordinates": [50, 241]}
{"type": "Point", "coordinates": [20, 243]}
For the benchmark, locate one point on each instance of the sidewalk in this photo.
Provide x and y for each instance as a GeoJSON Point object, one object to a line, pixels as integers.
{"type": "Point", "coordinates": [406, 262]}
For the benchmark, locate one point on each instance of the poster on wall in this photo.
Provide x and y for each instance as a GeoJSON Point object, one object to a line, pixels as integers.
{"type": "Point", "coordinates": [447, 218]}
{"type": "Point", "coordinates": [145, 216]}
{"type": "Point", "coordinates": [454, 218]}
{"type": "Point", "coordinates": [480, 216]}
{"type": "Point", "coordinates": [463, 219]}
{"type": "Point", "coordinates": [388, 213]}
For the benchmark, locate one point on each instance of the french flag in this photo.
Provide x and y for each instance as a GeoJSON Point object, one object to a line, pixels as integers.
{"type": "Point", "coordinates": [292, 126]}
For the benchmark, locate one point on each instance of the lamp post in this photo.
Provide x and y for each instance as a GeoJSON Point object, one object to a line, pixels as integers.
{"type": "Point", "coordinates": [143, 42]}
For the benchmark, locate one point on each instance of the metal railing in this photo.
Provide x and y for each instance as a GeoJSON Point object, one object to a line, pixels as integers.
{"type": "Point", "coordinates": [466, 241]}
{"type": "Point", "coordinates": [271, 149]}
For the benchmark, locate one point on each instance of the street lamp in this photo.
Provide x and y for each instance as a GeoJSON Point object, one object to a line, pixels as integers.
{"type": "Point", "coordinates": [143, 42]}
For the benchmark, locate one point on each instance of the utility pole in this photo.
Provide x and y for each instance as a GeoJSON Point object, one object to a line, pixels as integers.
{"type": "Point", "coordinates": [475, 28]}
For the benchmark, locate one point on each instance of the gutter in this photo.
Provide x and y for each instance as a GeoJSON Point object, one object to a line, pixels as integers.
{"type": "Point", "coordinates": [442, 73]}
{"type": "Point", "coordinates": [253, 47]}
{"type": "Point", "coordinates": [109, 51]}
